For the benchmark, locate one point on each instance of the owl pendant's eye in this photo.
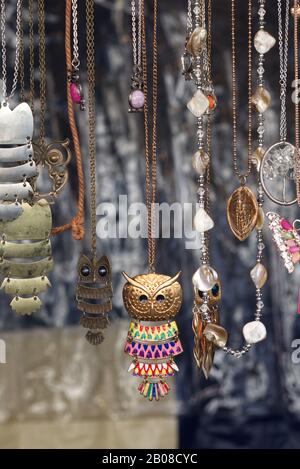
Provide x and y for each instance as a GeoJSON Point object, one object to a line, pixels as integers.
{"type": "Point", "coordinates": [143, 298]}
{"type": "Point", "coordinates": [160, 298]}
{"type": "Point", "coordinates": [102, 271]}
{"type": "Point", "coordinates": [85, 271]}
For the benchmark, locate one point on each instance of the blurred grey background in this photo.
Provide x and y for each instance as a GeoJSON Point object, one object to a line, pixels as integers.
{"type": "Point", "coordinates": [56, 390]}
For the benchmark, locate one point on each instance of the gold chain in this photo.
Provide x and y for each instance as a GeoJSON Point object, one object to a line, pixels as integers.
{"type": "Point", "coordinates": [297, 126]}
{"type": "Point", "coordinates": [150, 159]}
{"type": "Point", "coordinates": [42, 68]}
{"type": "Point", "coordinates": [92, 119]}
{"type": "Point", "coordinates": [241, 176]}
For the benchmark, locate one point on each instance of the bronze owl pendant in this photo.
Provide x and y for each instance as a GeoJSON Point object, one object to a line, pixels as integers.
{"type": "Point", "coordinates": [153, 300]}
{"type": "Point", "coordinates": [94, 296]}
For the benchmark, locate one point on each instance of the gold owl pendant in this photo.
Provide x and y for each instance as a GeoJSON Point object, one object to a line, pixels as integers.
{"type": "Point", "coordinates": [94, 296]}
{"type": "Point", "coordinates": [153, 300]}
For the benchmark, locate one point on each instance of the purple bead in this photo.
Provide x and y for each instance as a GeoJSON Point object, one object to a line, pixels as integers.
{"type": "Point", "coordinates": [136, 99]}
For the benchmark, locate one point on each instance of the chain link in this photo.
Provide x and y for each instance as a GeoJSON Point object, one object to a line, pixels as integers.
{"type": "Point", "coordinates": [75, 59]}
{"type": "Point", "coordinates": [6, 97]}
{"type": "Point", "coordinates": [90, 29]}
{"type": "Point", "coordinates": [150, 159]}
{"type": "Point", "coordinates": [21, 67]}
{"type": "Point", "coordinates": [297, 126]}
{"type": "Point", "coordinates": [31, 54]}
{"type": "Point", "coordinates": [283, 44]}
{"type": "Point", "coordinates": [42, 68]}
{"type": "Point", "coordinates": [241, 176]}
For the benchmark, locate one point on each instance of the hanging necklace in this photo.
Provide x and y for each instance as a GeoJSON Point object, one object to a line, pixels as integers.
{"type": "Point", "coordinates": [206, 279]}
{"type": "Point", "coordinates": [74, 77]}
{"type": "Point", "coordinates": [25, 249]}
{"type": "Point", "coordinates": [196, 62]}
{"type": "Point", "coordinates": [152, 300]}
{"type": "Point", "coordinates": [286, 234]}
{"type": "Point", "coordinates": [55, 156]}
{"type": "Point", "coordinates": [277, 167]}
{"type": "Point", "coordinates": [94, 289]}
{"type": "Point", "coordinates": [136, 98]}
{"type": "Point", "coordinates": [242, 208]}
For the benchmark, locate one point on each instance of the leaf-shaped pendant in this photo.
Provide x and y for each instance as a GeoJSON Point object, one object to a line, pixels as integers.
{"type": "Point", "coordinates": [242, 212]}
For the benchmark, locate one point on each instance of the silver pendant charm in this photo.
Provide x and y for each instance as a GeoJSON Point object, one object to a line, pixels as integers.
{"type": "Point", "coordinates": [277, 174]}
{"type": "Point", "coordinates": [16, 126]}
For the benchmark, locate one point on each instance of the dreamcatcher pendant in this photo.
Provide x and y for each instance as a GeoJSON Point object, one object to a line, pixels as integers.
{"type": "Point", "coordinates": [153, 300]}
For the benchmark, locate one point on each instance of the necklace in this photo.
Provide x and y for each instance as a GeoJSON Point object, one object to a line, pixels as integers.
{"type": "Point", "coordinates": [74, 77]}
{"type": "Point", "coordinates": [242, 208]}
{"type": "Point", "coordinates": [94, 289]}
{"type": "Point", "coordinates": [197, 59]}
{"type": "Point", "coordinates": [277, 167]}
{"type": "Point", "coordinates": [136, 97]}
{"type": "Point", "coordinates": [55, 156]}
{"type": "Point", "coordinates": [206, 280]}
{"type": "Point", "coordinates": [152, 300]}
{"type": "Point", "coordinates": [25, 252]}
{"type": "Point", "coordinates": [284, 233]}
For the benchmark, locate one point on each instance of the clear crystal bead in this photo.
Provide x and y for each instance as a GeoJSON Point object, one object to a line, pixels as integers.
{"type": "Point", "coordinates": [261, 70]}
{"type": "Point", "coordinates": [197, 10]}
{"type": "Point", "coordinates": [260, 304]}
{"type": "Point", "coordinates": [261, 130]}
{"type": "Point", "coordinates": [261, 246]}
{"type": "Point", "coordinates": [261, 12]}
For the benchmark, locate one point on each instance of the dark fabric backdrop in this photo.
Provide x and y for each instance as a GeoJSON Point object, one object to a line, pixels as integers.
{"type": "Point", "coordinates": [248, 403]}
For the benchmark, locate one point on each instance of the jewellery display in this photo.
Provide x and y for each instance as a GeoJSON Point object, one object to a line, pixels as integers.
{"type": "Point", "coordinates": [136, 97]}
{"type": "Point", "coordinates": [94, 290]}
{"type": "Point", "coordinates": [152, 299]}
{"type": "Point", "coordinates": [277, 163]}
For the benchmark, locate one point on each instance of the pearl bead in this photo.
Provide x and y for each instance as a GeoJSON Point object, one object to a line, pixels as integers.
{"type": "Point", "coordinates": [261, 99]}
{"type": "Point", "coordinates": [259, 275]}
{"type": "Point", "coordinates": [216, 334]}
{"type": "Point", "coordinates": [263, 41]}
{"type": "Point", "coordinates": [199, 104]}
{"type": "Point", "coordinates": [205, 278]}
{"type": "Point", "coordinates": [202, 221]}
{"type": "Point", "coordinates": [254, 332]}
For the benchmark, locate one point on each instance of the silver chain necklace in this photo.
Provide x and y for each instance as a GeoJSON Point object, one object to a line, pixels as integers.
{"type": "Point", "coordinates": [277, 165]}
{"type": "Point", "coordinates": [6, 97]}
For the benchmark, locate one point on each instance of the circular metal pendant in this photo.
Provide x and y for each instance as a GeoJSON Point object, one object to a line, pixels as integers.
{"type": "Point", "coordinates": [277, 173]}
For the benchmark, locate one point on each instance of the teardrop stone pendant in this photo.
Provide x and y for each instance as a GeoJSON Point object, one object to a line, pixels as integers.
{"type": "Point", "coordinates": [242, 212]}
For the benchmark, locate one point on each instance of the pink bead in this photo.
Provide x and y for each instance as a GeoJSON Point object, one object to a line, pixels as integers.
{"type": "Point", "coordinates": [290, 243]}
{"type": "Point", "coordinates": [75, 93]}
{"type": "Point", "coordinates": [286, 225]}
{"type": "Point", "coordinates": [137, 99]}
{"type": "Point", "coordinates": [293, 249]}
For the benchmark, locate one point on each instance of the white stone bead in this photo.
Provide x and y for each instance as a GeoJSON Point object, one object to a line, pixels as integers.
{"type": "Point", "coordinates": [254, 332]}
{"type": "Point", "coordinates": [197, 41]}
{"type": "Point", "coordinates": [202, 221]}
{"type": "Point", "coordinates": [263, 41]}
{"type": "Point", "coordinates": [259, 275]}
{"type": "Point", "coordinates": [205, 278]}
{"type": "Point", "coordinates": [198, 105]}
{"type": "Point", "coordinates": [200, 162]}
